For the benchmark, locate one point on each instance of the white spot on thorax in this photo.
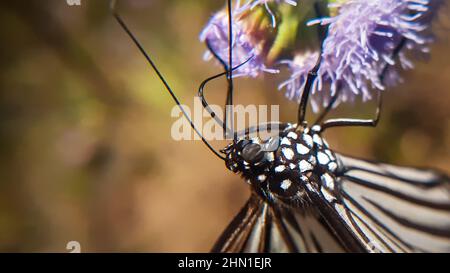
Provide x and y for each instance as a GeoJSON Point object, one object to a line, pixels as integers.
{"type": "Point", "coordinates": [302, 149]}
{"type": "Point", "coordinates": [318, 140]}
{"type": "Point", "coordinates": [270, 157]}
{"type": "Point", "coordinates": [292, 135]}
{"type": "Point", "coordinates": [288, 153]}
{"type": "Point", "coordinates": [308, 139]}
{"type": "Point", "coordinates": [305, 166]}
{"type": "Point", "coordinates": [322, 158]}
{"type": "Point", "coordinates": [285, 184]}
{"type": "Point", "coordinates": [328, 181]}
{"type": "Point", "coordinates": [316, 128]}
{"type": "Point", "coordinates": [332, 166]}
{"type": "Point", "coordinates": [286, 141]}
{"type": "Point", "coordinates": [262, 177]}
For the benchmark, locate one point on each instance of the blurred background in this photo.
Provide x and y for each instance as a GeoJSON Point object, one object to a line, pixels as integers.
{"type": "Point", "coordinates": [86, 151]}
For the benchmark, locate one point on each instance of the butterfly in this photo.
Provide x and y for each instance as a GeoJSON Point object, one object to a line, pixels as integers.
{"type": "Point", "coordinates": [305, 197]}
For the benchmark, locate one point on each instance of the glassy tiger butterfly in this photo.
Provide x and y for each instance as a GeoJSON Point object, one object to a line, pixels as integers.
{"type": "Point", "coordinates": [305, 197]}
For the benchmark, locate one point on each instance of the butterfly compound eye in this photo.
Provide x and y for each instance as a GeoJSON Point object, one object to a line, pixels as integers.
{"type": "Point", "coordinates": [252, 153]}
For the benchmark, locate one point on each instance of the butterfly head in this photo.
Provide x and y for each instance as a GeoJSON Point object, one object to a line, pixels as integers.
{"type": "Point", "coordinates": [250, 156]}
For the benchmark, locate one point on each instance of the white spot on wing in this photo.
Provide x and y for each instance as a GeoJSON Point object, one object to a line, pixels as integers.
{"type": "Point", "coordinates": [262, 178]}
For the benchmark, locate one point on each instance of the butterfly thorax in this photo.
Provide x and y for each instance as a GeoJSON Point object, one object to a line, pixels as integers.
{"type": "Point", "coordinates": [286, 167]}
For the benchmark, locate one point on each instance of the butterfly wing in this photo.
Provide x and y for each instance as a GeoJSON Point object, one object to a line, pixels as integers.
{"type": "Point", "coordinates": [380, 208]}
{"type": "Point", "coordinates": [394, 209]}
{"type": "Point", "coordinates": [264, 227]}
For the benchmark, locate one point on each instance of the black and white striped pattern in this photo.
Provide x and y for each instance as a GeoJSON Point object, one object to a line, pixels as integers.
{"type": "Point", "coordinates": [379, 208]}
{"type": "Point", "coordinates": [394, 209]}
{"type": "Point", "coordinates": [260, 227]}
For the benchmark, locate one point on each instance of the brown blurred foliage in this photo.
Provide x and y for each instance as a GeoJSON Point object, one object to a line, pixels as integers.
{"type": "Point", "coordinates": [86, 152]}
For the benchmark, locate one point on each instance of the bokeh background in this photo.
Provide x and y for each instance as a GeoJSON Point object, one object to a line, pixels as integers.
{"type": "Point", "coordinates": [86, 151]}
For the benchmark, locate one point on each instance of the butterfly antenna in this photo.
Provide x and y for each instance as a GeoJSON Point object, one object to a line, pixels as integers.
{"type": "Point", "coordinates": [161, 77]}
{"type": "Point", "coordinates": [229, 74]}
{"type": "Point", "coordinates": [229, 100]}
{"type": "Point", "coordinates": [312, 74]}
{"type": "Point", "coordinates": [201, 89]}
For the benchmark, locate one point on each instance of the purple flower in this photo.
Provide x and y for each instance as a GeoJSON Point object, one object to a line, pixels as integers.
{"type": "Point", "coordinates": [253, 3]}
{"type": "Point", "coordinates": [245, 47]}
{"type": "Point", "coordinates": [361, 39]}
